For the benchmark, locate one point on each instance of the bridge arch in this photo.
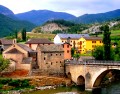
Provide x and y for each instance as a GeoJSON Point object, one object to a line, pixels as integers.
{"type": "Point", "coordinates": [80, 80]}
{"type": "Point", "coordinates": [100, 77]}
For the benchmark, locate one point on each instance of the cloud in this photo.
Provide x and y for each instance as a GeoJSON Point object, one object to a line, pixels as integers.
{"type": "Point", "coordinates": [76, 7]}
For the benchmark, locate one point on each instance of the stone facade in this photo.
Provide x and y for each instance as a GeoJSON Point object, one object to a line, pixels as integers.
{"type": "Point", "coordinates": [50, 59]}
{"type": "Point", "coordinates": [20, 54]}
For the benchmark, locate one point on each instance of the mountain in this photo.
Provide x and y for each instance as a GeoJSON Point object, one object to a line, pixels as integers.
{"type": "Point", "coordinates": [39, 17]}
{"type": "Point", "coordinates": [100, 17]}
{"type": "Point", "coordinates": [7, 12]}
{"type": "Point", "coordinates": [60, 26]}
{"type": "Point", "coordinates": [8, 25]}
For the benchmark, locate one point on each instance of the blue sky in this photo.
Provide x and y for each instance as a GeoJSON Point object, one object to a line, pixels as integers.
{"type": "Point", "coordinates": [75, 7]}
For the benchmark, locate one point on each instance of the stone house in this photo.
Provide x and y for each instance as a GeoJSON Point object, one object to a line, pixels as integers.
{"type": "Point", "coordinates": [50, 59]}
{"type": "Point", "coordinates": [20, 55]}
{"type": "Point", "coordinates": [33, 43]}
{"type": "Point", "coordinates": [5, 43]}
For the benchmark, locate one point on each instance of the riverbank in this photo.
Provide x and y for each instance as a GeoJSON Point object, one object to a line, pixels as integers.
{"type": "Point", "coordinates": [35, 83]}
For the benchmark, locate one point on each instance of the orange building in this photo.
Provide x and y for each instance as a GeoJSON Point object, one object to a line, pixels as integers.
{"type": "Point", "coordinates": [67, 50]}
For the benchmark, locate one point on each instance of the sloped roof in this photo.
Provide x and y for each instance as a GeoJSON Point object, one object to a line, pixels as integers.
{"type": "Point", "coordinates": [39, 41]}
{"type": "Point", "coordinates": [14, 50]}
{"type": "Point", "coordinates": [72, 36]}
{"type": "Point", "coordinates": [6, 41]}
{"type": "Point", "coordinates": [51, 48]}
{"type": "Point", "coordinates": [23, 46]}
{"type": "Point", "coordinates": [93, 38]}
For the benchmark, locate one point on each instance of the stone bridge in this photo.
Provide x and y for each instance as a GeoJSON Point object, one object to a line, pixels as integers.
{"type": "Point", "coordinates": [89, 73]}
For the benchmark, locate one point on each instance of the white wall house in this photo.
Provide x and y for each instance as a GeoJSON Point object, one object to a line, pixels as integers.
{"type": "Point", "coordinates": [57, 39]}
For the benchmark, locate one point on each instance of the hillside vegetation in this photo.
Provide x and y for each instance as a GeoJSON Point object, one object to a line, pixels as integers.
{"type": "Point", "coordinates": [39, 35]}
{"type": "Point", "coordinates": [8, 25]}
{"type": "Point", "coordinates": [98, 18]}
{"type": "Point", "coordinates": [60, 26]}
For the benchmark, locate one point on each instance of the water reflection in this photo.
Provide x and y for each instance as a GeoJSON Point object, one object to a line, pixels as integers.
{"type": "Point", "coordinates": [63, 90]}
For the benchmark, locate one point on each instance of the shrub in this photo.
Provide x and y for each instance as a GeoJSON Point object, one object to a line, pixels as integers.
{"type": "Point", "coordinates": [15, 83]}
{"type": "Point", "coordinates": [25, 83]}
{"type": "Point", "coordinates": [5, 81]}
{"type": "Point", "coordinates": [1, 86]}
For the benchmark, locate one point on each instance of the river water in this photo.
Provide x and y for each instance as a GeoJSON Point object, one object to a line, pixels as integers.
{"type": "Point", "coordinates": [113, 88]}
{"type": "Point", "coordinates": [61, 90]}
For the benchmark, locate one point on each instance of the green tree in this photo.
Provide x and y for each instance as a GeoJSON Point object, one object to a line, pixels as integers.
{"type": "Point", "coordinates": [4, 63]}
{"type": "Point", "coordinates": [98, 52]}
{"type": "Point", "coordinates": [117, 51]}
{"type": "Point", "coordinates": [23, 34]}
{"type": "Point", "coordinates": [16, 34]}
{"type": "Point", "coordinates": [72, 52]}
{"type": "Point", "coordinates": [106, 42]}
{"type": "Point", "coordinates": [77, 56]}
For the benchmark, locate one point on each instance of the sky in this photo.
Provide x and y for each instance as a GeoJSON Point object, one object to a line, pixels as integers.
{"type": "Point", "coordinates": [75, 7]}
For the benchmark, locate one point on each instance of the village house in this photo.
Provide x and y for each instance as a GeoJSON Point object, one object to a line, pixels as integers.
{"type": "Point", "coordinates": [67, 50]}
{"type": "Point", "coordinates": [5, 43]}
{"type": "Point", "coordinates": [81, 42]}
{"type": "Point", "coordinates": [86, 44]}
{"type": "Point", "coordinates": [33, 43]}
{"type": "Point", "coordinates": [73, 38]}
{"type": "Point", "coordinates": [50, 59]}
{"type": "Point", "coordinates": [21, 56]}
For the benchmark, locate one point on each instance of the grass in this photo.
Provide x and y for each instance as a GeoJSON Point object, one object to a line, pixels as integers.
{"type": "Point", "coordinates": [113, 33]}
{"type": "Point", "coordinates": [39, 35]}
{"type": "Point", "coordinates": [0, 56]}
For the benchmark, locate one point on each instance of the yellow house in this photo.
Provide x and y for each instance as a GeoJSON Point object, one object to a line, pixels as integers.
{"type": "Point", "coordinates": [88, 43]}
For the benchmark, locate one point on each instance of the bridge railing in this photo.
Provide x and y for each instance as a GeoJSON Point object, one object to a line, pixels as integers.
{"type": "Point", "coordinates": [93, 62]}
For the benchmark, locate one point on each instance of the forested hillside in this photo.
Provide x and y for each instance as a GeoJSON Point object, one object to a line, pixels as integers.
{"type": "Point", "coordinates": [8, 25]}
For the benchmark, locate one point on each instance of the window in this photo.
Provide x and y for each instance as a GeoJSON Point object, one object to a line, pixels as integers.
{"type": "Point", "coordinates": [60, 54]}
{"type": "Point", "coordinates": [67, 46]}
{"type": "Point", "coordinates": [62, 41]}
{"type": "Point", "coordinates": [51, 54]}
{"type": "Point", "coordinates": [71, 41]}
{"type": "Point", "coordinates": [56, 54]}
{"type": "Point", "coordinates": [60, 61]}
{"type": "Point", "coordinates": [56, 62]}
{"type": "Point", "coordinates": [67, 51]}
{"type": "Point", "coordinates": [93, 41]}
{"type": "Point", "coordinates": [51, 63]}
{"type": "Point", "coordinates": [44, 58]}
{"type": "Point", "coordinates": [63, 45]}
{"type": "Point", "coordinates": [30, 45]}
{"type": "Point", "coordinates": [100, 41]}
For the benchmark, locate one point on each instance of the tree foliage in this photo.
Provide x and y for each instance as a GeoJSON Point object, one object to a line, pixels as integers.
{"type": "Point", "coordinates": [106, 42]}
{"type": "Point", "coordinates": [23, 34]}
{"type": "Point", "coordinates": [4, 63]}
{"type": "Point", "coordinates": [98, 53]}
{"type": "Point", "coordinates": [76, 55]}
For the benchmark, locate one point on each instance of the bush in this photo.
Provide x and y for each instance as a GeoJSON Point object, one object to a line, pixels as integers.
{"type": "Point", "coordinates": [1, 86]}
{"type": "Point", "coordinates": [5, 81]}
{"type": "Point", "coordinates": [15, 83]}
{"type": "Point", "coordinates": [25, 83]}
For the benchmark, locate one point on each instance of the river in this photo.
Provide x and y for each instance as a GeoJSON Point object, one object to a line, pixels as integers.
{"type": "Point", "coordinates": [113, 88]}
{"type": "Point", "coordinates": [61, 90]}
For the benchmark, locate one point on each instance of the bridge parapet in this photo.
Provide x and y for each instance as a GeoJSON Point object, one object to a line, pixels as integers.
{"type": "Point", "coordinates": [93, 62]}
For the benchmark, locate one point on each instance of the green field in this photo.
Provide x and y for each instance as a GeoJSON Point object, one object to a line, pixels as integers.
{"type": "Point", "coordinates": [39, 35]}
{"type": "Point", "coordinates": [115, 35]}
